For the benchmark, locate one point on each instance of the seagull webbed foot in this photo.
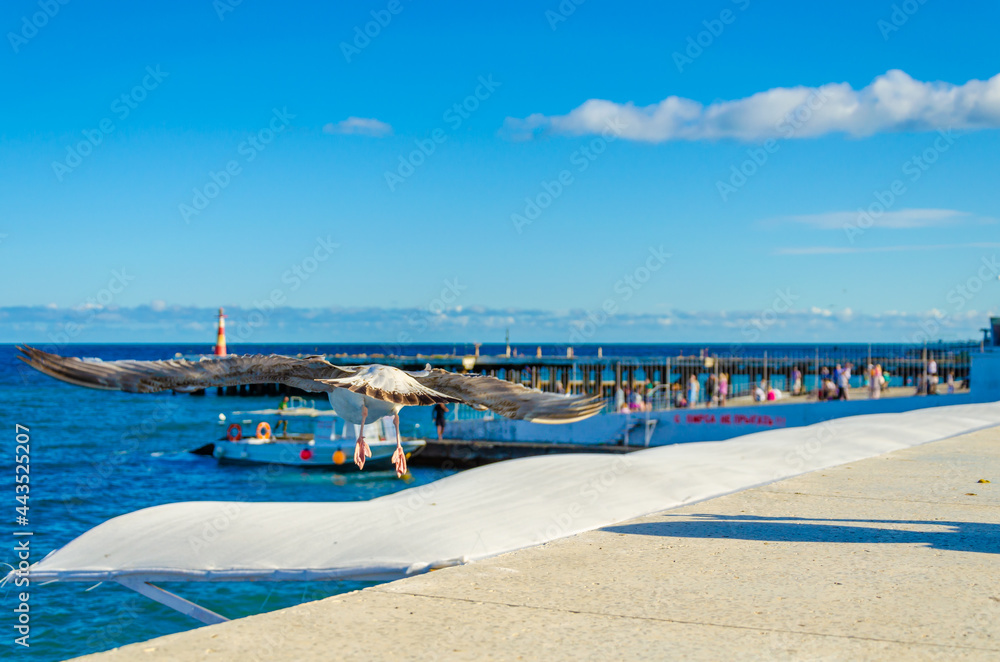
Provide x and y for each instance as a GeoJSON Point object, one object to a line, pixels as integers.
{"type": "Point", "coordinates": [361, 451]}
{"type": "Point", "coordinates": [399, 459]}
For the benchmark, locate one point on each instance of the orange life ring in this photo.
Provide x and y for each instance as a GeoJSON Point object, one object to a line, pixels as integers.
{"type": "Point", "coordinates": [231, 436]}
{"type": "Point", "coordinates": [263, 430]}
{"type": "Point", "coordinates": [339, 457]}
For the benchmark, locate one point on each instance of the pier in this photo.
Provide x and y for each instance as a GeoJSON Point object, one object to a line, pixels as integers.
{"type": "Point", "coordinates": [464, 454]}
{"type": "Point", "coordinates": [605, 376]}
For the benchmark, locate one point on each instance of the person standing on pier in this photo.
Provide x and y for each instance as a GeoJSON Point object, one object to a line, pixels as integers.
{"type": "Point", "coordinates": [440, 411]}
{"type": "Point", "coordinates": [844, 384]}
{"type": "Point", "coordinates": [636, 402]}
{"type": "Point", "coordinates": [932, 377]}
{"type": "Point", "coordinates": [796, 381]}
{"type": "Point", "coordinates": [723, 388]}
{"type": "Point", "coordinates": [711, 389]}
{"type": "Point", "coordinates": [821, 380]}
{"type": "Point", "coordinates": [282, 422]}
{"type": "Point", "coordinates": [874, 381]}
{"type": "Point", "coordinates": [626, 403]}
{"type": "Point", "coordinates": [693, 388]}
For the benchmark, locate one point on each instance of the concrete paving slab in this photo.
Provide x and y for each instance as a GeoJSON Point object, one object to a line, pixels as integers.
{"type": "Point", "coordinates": [744, 561]}
{"type": "Point", "coordinates": [947, 470]}
{"type": "Point", "coordinates": [883, 558]}
{"type": "Point", "coordinates": [376, 626]}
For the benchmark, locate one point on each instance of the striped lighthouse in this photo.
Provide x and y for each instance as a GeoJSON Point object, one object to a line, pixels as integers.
{"type": "Point", "coordinates": [220, 341]}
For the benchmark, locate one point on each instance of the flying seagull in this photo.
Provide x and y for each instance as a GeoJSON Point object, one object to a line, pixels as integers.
{"type": "Point", "coordinates": [357, 393]}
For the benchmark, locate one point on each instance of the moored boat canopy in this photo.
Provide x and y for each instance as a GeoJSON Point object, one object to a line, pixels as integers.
{"type": "Point", "coordinates": [308, 412]}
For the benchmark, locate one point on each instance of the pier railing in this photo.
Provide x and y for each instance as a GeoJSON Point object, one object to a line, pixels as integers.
{"type": "Point", "coordinates": [664, 382]}
{"type": "Point", "coordinates": [662, 379]}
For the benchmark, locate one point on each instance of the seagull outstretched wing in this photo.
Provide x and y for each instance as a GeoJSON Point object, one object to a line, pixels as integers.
{"type": "Point", "coordinates": [510, 400]}
{"type": "Point", "coordinates": [182, 374]}
{"type": "Point", "coordinates": [313, 373]}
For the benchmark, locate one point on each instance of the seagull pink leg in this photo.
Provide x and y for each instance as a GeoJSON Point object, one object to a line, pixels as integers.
{"type": "Point", "coordinates": [399, 457]}
{"type": "Point", "coordinates": [362, 449]}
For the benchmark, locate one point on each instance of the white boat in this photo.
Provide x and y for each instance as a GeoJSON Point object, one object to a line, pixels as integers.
{"type": "Point", "coordinates": [330, 447]}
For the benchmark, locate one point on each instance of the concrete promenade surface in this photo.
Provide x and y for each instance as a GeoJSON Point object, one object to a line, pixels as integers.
{"type": "Point", "coordinates": [896, 557]}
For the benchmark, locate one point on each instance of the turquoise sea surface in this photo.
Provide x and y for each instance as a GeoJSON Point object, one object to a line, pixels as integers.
{"type": "Point", "coordinates": [95, 455]}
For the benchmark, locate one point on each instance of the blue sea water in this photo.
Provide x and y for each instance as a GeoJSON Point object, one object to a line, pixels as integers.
{"type": "Point", "coordinates": [95, 455]}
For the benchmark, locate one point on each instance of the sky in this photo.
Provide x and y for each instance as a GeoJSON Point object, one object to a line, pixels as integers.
{"type": "Point", "coordinates": [633, 171]}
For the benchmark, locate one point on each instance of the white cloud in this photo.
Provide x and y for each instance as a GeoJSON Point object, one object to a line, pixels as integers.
{"type": "Point", "coordinates": [892, 102]}
{"type": "Point", "coordinates": [901, 219]}
{"type": "Point", "coordinates": [847, 250]}
{"type": "Point", "coordinates": [37, 324]}
{"type": "Point", "coordinates": [360, 126]}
